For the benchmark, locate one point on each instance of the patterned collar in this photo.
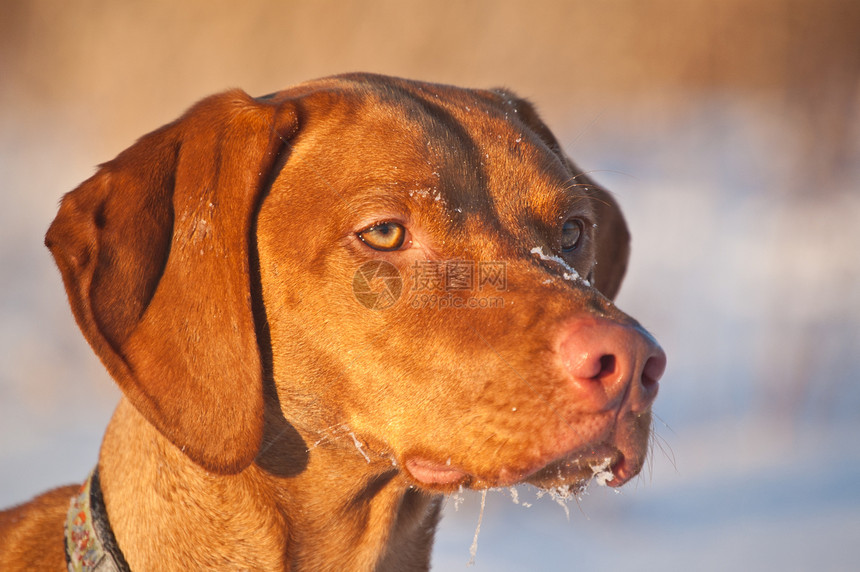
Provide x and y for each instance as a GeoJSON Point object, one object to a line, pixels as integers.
{"type": "Point", "coordinates": [90, 543]}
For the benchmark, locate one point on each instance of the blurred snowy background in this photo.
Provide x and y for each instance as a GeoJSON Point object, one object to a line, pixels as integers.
{"type": "Point", "coordinates": [730, 132]}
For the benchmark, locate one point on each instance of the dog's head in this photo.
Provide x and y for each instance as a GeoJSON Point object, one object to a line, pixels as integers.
{"type": "Point", "coordinates": [416, 269]}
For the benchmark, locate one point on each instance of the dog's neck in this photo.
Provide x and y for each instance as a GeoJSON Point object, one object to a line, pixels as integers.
{"type": "Point", "coordinates": [168, 513]}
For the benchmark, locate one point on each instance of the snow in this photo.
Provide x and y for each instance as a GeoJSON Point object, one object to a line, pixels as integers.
{"type": "Point", "coordinates": [601, 472]}
{"type": "Point", "coordinates": [570, 272]}
{"type": "Point", "coordinates": [473, 550]}
{"type": "Point", "coordinates": [358, 446]}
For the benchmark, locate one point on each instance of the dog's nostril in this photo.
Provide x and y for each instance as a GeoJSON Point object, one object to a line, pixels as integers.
{"type": "Point", "coordinates": [607, 366]}
{"type": "Point", "coordinates": [653, 371]}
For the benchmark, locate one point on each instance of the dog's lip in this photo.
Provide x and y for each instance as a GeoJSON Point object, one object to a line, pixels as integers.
{"type": "Point", "coordinates": [432, 473]}
{"type": "Point", "coordinates": [608, 464]}
{"type": "Point", "coordinates": [446, 477]}
{"type": "Point", "coordinates": [604, 463]}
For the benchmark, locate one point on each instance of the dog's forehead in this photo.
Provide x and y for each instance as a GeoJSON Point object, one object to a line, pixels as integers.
{"type": "Point", "coordinates": [468, 143]}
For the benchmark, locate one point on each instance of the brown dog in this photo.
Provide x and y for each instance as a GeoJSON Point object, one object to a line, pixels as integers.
{"type": "Point", "coordinates": [325, 308]}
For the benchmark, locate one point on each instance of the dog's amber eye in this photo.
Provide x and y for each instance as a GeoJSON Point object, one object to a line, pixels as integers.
{"type": "Point", "coordinates": [384, 236]}
{"type": "Point", "coordinates": [571, 234]}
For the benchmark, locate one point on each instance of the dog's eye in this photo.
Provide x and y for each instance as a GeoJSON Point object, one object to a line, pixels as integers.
{"type": "Point", "coordinates": [384, 236]}
{"type": "Point", "coordinates": [571, 234]}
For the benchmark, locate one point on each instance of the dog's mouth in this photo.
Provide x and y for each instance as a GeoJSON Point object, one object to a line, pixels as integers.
{"type": "Point", "coordinates": [604, 464]}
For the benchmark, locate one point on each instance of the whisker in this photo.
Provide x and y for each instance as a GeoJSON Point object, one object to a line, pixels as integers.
{"type": "Point", "coordinates": [665, 447]}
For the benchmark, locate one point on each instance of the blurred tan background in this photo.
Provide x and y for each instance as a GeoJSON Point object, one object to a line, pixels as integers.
{"type": "Point", "coordinates": [730, 132]}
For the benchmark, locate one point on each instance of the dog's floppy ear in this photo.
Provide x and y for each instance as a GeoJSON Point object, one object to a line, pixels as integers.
{"type": "Point", "coordinates": [613, 242]}
{"type": "Point", "coordinates": [613, 237]}
{"type": "Point", "coordinates": [154, 251]}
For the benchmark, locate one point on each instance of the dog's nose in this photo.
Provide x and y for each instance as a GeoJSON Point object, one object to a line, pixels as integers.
{"type": "Point", "coordinates": [612, 365]}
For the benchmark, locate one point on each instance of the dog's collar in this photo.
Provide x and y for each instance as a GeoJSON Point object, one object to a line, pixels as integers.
{"type": "Point", "coordinates": [90, 543]}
